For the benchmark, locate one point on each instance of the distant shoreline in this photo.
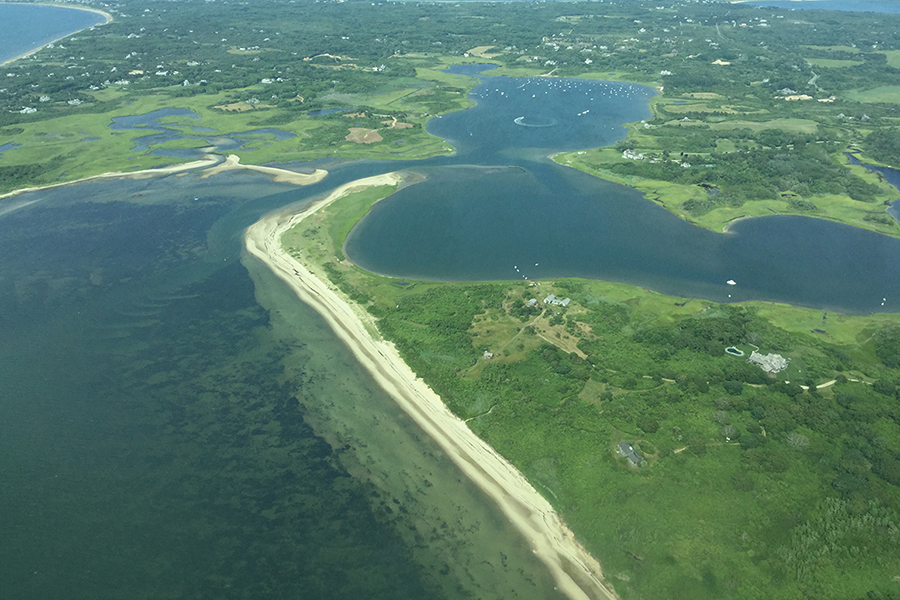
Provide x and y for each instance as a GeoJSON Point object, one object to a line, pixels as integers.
{"type": "Point", "coordinates": [106, 15]}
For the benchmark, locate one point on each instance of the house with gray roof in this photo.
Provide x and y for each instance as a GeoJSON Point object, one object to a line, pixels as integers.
{"type": "Point", "coordinates": [551, 299]}
{"type": "Point", "coordinates": [627, 451]}
{"type": "Point", "coordinates": [770, 363]}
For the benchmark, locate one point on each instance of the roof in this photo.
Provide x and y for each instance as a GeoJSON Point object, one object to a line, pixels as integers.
{"type": "Point", "coordinates": [627, 451]}
{"type": "Point", "coordinates": [769, 362]}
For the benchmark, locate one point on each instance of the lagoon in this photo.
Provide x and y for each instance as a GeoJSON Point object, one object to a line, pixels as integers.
{"type": "Point", "coordinates": [501, 210]}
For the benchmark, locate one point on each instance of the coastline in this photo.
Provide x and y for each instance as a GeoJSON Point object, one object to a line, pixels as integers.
{"type": "Point", "coordinates": [104, 14]}
{"type": "Point", "coordinates": [577, 573]}
{"type": "Point", "coordinates": [206, 161]}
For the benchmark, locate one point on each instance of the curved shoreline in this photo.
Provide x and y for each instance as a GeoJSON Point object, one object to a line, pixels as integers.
{"type": "Point", "coordinates": [577, 574]}
{"type": "Point", "coordinates": [207, 163]}
{"type": "Point", "coordinates": [104, 14]}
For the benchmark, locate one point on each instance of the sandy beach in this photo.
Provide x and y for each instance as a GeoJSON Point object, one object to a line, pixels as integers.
{"type": "Point", "coordinates": [233, 162]}
{"type": "Point", "coordinates": [104, 14]}
{"type": "Point", "coordinates": [206, 161]}
{"type": "Point", "coordinates": [577, 574]}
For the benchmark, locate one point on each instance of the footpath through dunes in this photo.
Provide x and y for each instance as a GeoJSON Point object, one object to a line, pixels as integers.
{"type": "Point", "coordinates": [577, 574]}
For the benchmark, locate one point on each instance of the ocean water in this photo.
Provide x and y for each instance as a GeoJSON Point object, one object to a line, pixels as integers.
{"type": "Point", "coordinates": [25, 27]}
{"type": "Point", "coordinates": [175, 423]}
{"type": "Point", "coordinates": [877, 6]}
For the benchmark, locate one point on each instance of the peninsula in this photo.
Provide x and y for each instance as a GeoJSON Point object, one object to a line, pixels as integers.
{"type": "Point", "coordinates": [577, 573]}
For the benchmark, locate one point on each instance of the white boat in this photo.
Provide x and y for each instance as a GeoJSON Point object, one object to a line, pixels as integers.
{"type": "Point", "coordinates": [731, 282]}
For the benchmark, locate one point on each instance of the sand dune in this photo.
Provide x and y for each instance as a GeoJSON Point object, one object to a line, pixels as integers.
{"type": "Point", "coordinates": [577, 573]}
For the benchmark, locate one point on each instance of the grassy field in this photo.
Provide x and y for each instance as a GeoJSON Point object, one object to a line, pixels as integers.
{"type": "Point", "coordinates": [887, 93]}
{"type": "Point", "coordinates": [832, 63]}
{"type": "Point", "coordinates": [793, 124]}
{"type": "Point", "coordinates": [893, 58]}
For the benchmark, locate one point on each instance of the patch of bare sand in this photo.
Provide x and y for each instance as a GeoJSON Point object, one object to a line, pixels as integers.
{"type": "Point", "coordinates": [233, 162]}
{"type": "Point", "coordinates": [362, 135]}
{"type": "Point", "coordinates": [577, 573]}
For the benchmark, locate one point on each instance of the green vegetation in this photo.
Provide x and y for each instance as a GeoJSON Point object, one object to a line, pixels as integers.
{"type": "Point", "coordinates": [752, 486]}
{"type": "Point", "coordinates": [725, 87]}
{"type": "Point", "coordinates": [832, 63]}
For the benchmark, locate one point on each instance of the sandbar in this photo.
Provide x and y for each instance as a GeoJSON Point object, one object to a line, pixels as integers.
{"type": "Point", "coordinates": [233, 162]}
{"type": "Point", "coordinates": [206, 161]}
{"type": "Point", "coordinates": [577, 574]}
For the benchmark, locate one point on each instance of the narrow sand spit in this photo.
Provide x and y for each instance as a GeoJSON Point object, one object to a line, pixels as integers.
{"type": "Point", "coordinates": [278, 175]}
{"type": "Point", "coordinates": [207, 161]}
{"type": "Point", "coordinates": [577, 573]}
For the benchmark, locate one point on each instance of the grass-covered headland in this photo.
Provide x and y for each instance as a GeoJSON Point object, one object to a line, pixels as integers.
{"type": "Point", "coordinates": [750, 485]}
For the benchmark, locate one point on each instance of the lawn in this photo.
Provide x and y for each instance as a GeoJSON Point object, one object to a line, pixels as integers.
{"type": "Point", "coordinates": [832, 63]}
{"type": "Point", "coordinates": [889, 94]}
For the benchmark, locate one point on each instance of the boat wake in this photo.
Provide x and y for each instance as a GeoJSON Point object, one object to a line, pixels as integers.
{"type": "Point", "coordinates": [521, 121]}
